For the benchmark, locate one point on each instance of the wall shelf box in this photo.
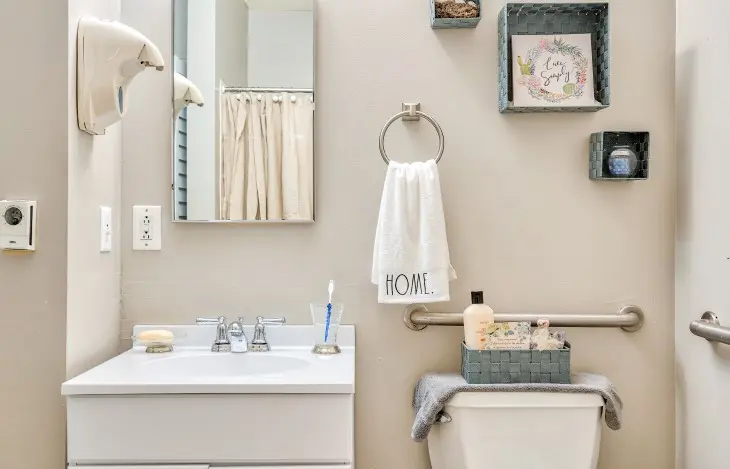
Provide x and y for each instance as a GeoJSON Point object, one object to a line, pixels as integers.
{"type": "Point", "coordinates": [550, 19]}
{"type": "Point", "coordinates": [452, 23]}
{"type": "Point", "coordinates": [603, 143]}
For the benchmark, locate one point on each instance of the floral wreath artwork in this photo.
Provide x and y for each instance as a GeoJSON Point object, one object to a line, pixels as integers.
{"type": "Point", "coordinates": [547, 50]}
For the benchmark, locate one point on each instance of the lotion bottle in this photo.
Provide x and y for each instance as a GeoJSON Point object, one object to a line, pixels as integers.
{"type": "Point", "coordinates": [477, 319]}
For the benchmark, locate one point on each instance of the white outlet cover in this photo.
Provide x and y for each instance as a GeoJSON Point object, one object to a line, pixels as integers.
{"type": "Point", "coordinates": [105, 219]}
{"type": "Point", "coordinates": [147, 228]}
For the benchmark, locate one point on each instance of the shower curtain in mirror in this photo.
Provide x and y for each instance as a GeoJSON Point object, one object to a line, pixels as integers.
{"type": "Point", "coordinates": [267, 153]}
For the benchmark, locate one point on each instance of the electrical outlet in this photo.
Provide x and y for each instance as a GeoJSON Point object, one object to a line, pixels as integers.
{"type": "Point", "coordinates": [147, 228]}
{"type": "Point", "coordinates": [105, 217]}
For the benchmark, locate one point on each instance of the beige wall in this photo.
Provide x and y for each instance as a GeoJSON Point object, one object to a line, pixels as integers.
{"type": "Point", "coordinates": [231, 41]}
{"type": "Point", "coordinates": [33, 165]}
{"type": "Point", "coordinates": [62, 302]}
{"type": "Point", "coordinates": [525, 223]}
{"type": "Point", "coordinates": [703, 230]}
{"type": "Point", "coordinates": [94, 179]}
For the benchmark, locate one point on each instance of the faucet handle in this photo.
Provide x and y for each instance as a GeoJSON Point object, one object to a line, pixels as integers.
{"type": "Point", "coordinates": [260, 320]}
{"type": "Point", "coordinates": [210, 321]}
{"type": "Point", "coordinates": [259, 342]}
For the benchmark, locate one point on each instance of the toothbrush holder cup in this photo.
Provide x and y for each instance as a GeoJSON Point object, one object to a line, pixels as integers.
{"type": "Point", "coordinates": [325, 330]}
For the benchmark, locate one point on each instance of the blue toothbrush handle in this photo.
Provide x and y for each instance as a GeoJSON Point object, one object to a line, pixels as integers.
{"type": "Point", "coordinates": [327, 323]}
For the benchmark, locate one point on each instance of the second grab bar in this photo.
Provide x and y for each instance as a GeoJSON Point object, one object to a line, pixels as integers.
{"type": "Point", "coordinates": [628, 318]}
{"type": "Point", "coordinates": [708, 327]}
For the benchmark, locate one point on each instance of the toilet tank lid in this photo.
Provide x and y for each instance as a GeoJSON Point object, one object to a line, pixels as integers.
{"type": "Point", "coordinates": [523, 400]}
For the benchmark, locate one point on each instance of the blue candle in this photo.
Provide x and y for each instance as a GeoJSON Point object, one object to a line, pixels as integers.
{"type": "Point", "coordinates": [622, 161]}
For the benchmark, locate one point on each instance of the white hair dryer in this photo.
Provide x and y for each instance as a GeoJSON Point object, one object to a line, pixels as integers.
{"type": "Point", "coordinates": [110, 55]}
{"type": "Point", "coordinates": [185, 93]}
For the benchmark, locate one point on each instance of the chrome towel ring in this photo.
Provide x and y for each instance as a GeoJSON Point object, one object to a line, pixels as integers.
{"type": "Point", "coordinates": [411, 112]}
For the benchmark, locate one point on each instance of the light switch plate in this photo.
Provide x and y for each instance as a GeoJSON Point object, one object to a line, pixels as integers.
{"type": "Point", "coordinates": [105, 217]}
{"type": "Point", "coordinates": [147, 228]}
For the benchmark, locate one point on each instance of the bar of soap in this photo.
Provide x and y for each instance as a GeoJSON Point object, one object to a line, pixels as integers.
{"type": "Point", "coordinates": [156, 335]}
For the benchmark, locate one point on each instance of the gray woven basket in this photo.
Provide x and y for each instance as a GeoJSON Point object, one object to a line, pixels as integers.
{"type": "Point", "coordinates": [515, 366]}
{"type": "Point", "coordinates": [603, 143]}
{"type": "Point", "coordinates": [555, 18]}
{"type": "Point", "coordinates": [450, 23]}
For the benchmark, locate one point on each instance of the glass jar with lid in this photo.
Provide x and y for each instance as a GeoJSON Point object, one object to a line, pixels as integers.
{"type": "Point", "coordinates": [622, 161]}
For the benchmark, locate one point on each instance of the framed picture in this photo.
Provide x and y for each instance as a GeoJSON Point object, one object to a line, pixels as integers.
{"type": "Point", "coordinates": [552, 71]}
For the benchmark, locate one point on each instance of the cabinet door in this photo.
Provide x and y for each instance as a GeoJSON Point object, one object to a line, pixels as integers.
{"type": "Point", "coordinates": [173, 466]}
{"type": "Point", "coordinates": [336, 466]}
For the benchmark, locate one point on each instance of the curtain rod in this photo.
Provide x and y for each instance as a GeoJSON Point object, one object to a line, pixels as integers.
{"type": "Point", "coordinates": [238, 89]}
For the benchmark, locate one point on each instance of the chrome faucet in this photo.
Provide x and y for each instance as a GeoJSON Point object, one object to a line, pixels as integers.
{"type": "Point", "coordinates": [228, 337]}
{"type": "Point", "coordinates": [259, 342]}
{"type": "Point", "coordinates": [238, 339]}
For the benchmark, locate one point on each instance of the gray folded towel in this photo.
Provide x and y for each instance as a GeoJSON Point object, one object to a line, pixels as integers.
{"type": "Point", "coordinates": [434, 390]}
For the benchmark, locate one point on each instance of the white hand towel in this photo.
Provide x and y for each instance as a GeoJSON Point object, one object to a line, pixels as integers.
{"type": "Point", "coordinates": [411, 261]}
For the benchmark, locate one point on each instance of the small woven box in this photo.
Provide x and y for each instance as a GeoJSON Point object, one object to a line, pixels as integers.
{"type": "Point", "coordinates": [515, 366]}
{"type": "Point", "coordinates": [449, 23]}
{"type": "Point", "coordinates": [603, 143]}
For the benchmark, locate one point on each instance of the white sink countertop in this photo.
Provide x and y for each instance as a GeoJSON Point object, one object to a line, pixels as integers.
{"type": "Point", "coordinates": [289, 368]}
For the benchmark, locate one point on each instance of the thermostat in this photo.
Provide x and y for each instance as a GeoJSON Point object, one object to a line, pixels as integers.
{"type": "Point", "coordinates": [17, 225]}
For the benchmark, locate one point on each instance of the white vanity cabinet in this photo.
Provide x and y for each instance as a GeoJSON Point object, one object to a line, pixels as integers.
{"type": "Point", "coordinates": [198, 466]}
{"type": "Point", "coordinates": [196, 409]}
{"type": "Point", "coordinates": [218, 429]}
{"type": "Point", "coordinates": [195, 466]}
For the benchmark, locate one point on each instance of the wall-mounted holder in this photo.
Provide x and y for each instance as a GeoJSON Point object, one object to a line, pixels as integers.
{"type": "Point", "coordinates": [450, 22]}
{"type": "Point", "coordinates": [411, 112]}
{"type": "Point", "coordinates": [184, 93]}
{"type": "Point", "coordinates": [551, 19]}
{"type": "Point", "coordinates": [619, 156]}
{"type": "Point", "coordinates": [109, 55]}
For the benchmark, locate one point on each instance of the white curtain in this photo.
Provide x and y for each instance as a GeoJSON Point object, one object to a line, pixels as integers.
{"type": "Point", "coordinates": [267, 167]}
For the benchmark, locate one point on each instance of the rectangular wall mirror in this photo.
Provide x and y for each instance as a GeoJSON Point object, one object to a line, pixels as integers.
{"type": "Point", "coordinates": [243, 107]}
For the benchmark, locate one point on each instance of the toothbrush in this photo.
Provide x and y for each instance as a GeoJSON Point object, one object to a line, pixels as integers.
{"type": "Point", "coordinates": [330, 289]}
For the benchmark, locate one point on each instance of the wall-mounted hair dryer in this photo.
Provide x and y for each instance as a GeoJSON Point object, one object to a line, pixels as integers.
{"type": "Point", "coordinates": [109, 55]}
{"type": "Point", "coordinates": [185, 93]}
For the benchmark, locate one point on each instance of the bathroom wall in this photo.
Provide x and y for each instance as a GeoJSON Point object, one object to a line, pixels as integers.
{"type": "Point", "coordinates": [94, 180]}
{"type": "Point", "coordinates": [525, 223]}
{"type": "Point", "coordinates": [703, 231]}
{"type": "Point", "coordinates": [272, 31]}
{"type": "Point", "coordinates": [33, 165]}
{"type": "Point", "coordinates": [61, 314]}
{"type": "Point", "coordinates": [231, 41]}
{"type": "Point", "coordinates": [202, 122]}
{"type": "Point", "coordinates": [181, 29]}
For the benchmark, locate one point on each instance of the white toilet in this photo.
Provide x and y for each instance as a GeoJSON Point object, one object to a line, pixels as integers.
{"type": "Point", "coordinates": [518, 430]}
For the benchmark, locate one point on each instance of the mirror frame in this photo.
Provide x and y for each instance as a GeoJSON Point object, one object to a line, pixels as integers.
{"type": "Point", "coordinates": [173, 138]}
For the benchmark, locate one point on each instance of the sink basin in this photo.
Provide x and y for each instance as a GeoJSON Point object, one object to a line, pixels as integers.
{"type": "Point", "coordinates": [225, 364]}
{"type": "Point", "coordinates": [191, 368]}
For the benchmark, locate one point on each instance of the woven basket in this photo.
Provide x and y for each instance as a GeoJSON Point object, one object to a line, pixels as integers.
{"type": "Point", "coordinates": [603, 143]}
{"type": "Point", "coordinates": [450, 23]}
{"type": "Point", "coordinates": [549, 19]}
{"type": "Point", "coordinates": [515, 366]}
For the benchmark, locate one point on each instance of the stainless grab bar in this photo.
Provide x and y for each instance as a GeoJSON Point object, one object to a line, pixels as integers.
{"type": "Point", "coordinates": [628, 318]}
{"type": "Point", "coordinates": [709, 328]}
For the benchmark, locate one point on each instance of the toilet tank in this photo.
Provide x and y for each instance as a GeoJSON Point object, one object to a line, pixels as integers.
{"type": "Point", "coordinates": [518, 430]}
